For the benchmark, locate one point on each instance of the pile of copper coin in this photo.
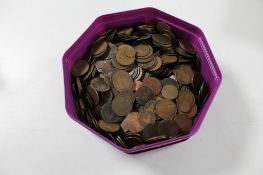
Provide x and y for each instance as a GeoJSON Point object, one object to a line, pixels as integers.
{"type": "Point", "coordinates": [138, 85]}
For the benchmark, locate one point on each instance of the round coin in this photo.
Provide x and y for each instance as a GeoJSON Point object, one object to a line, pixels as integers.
{"type": "Point", "coordinates": [99, 84]}
{"type": "Point", "coordinates": [144, 94]}
{"type": "Point", "coordinates": [166, 109]}
{"type": "Point", "coordinates": [154, 84]}
{"type": "Point", "coordinates": [80, 67]}
{"type": "Point", "coordinates": [185, 100]}
{"type": "Point", "coordinates": [121, 105]}
{"type": "Point", "coordinates": [187, 46]}
{"type": "Point", "coordinates": [108, 127]}
{"type": "Point", "coordinates": [126, 55]}
{"type": "Point", "coordinates": [169, 92]}
{"type": "Point", "coordinates": [157, 66]}
{"type": "Point", "coordinates": [131, 123]}
{"type": "Point", "coordinates": [169, 128]}
{"type": "Point", "coordinates": [143, 51]}
{"type": "Point", "coordinates": [93, 94]}
{"type": "Point", "coordinates": [122, 80]}
{"type": "Point", "coordinates": [184, 122]}
{"type": "Point", "coordinates": [99, 48]}
{"type": "Point", "coordinates": [146, 117]}
{"type": "Point", "coordinates": [183, 73]}
{"type": "Point", "coordinates": [168, 59]}
{"type": "Point", "coordinates": [108, 115]}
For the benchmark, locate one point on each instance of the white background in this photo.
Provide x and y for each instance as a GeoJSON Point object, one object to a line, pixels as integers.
{"type": "Point", "coordinates": [38, 137]}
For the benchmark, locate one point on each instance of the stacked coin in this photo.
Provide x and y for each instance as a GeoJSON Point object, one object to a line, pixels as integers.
{"type": "Point", "coordinates": [138, 85]}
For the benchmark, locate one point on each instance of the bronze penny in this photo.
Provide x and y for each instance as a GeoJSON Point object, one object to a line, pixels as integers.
{"type": "Point", "coordinates": [80, 67]}
{"type": "Point", "coordinates": [170, 81]}
{"type": "Point", "coordinates": [166, 109]}
{"type": "Point", "coordinates": [122, 80]}
{"type": "Point", "coordinates": [184, 122]}
{"type": "Point", "coordinates": [184, 74]}
{"type": "Point", "coordinates": [185, 100]}
{"type": "Point", "coordinates": [158, 64]}
{"type": "Point", "coordinates": [137, 85]}
{"type": "Point", "coordinates": [144, 94]}
{"type": "Point", "coordinates": [109, 127]}
{"type": "Point", "coordinates": [169, 128]}
{"type": "Point", "coordinates": [154, 84]}
{"type": "Point", "coordinates": [99, 48]}
{"type": "Point", "coordinates": [106, 97]}
{"type": "Point", "coordinates": [131, 123]}
{"type": "Point", "coordinates": [99, 84]}
{"type": "Point", "coordinates": [191, 113]}
{"type": "Point", "coordinates": [128, 94]}
{"type": "Point", "coordinates": [146, 117]}
{"type": "Point", "coordinates": [121, 105]}
{"type": "Point", "coordinates": [143, 51]}
{"type": "Point", "coordinates": [168, 59]}
{"type": "Point", "coordinates": [90, 71]}
{"type": "Point", "coordinates": [187, 46]}
{"type": "Point", "coordinates": [108, 115]}
{"type": "Point", "coordinates": [93, 94]}
{"type": "Point", "coordinates": [150, 106]}
{"type": "Point", "coordinates": [161, 40]}
{"type": "Point", "coordinates": [126, 55]}
{"type": "Point", "coordinates": [162, 27]}
{"type": "Point", "coordinates": [169, 91]}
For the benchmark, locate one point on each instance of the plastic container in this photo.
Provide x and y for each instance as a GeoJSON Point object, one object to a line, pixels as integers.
{"type": "Point", "coordinates": [209, 67]}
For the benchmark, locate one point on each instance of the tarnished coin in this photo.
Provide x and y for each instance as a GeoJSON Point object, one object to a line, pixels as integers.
{"type": "Point", "coordinates": [191, 113]}
{"type": "Point", "coordinates": [100, 63]}
{"type": "Point", "coordinates": [122, 80]}
{"type": "Point", "coordinates": [168, 59]}
{"type": "Point", "coordinates": [150, 106]}
{"type": "Point", "coordinates": [154, 84]}
{"type": "Point", "coordinates": [143, 51]}
{"type": "Point", "coordinates": [79, 86]}
{"type": "Point", "coordinates": [121, 105]}
{"type": "Point", "coordinates": [157, 66]}
{"type": "Point", "coordinates": [132, 139]}
{"type": "Point", "coordinates": [131, 123]}
{"type": "Point", "coordinates": [108, 127]}
{"type": "Point", "coordinates": [166, 109]}
{"type": "Point", "coordinates": [162, 27]}
{"type": "Point", "coordinates": [108, 115]}
{"type": "Point", "coordinates": [187, 46]}
{"type": "Point", "coordinates": [80, 67]}
{"type": "Point", "coordinates": [183, 73]}
{"type": "Point", "coordinates": [128, 94]}
{"type": "Point", "coordinates": [146, 117]}
{"type": "Point", "coordinates": [125, 55]}
{"type": "Point", "coordinates": [106, 97]}
{"type": "Point", "coordinates": [185, 100]}
{"type": "Point", "coordinates": [93, 94]}
{"type": "Point", "coordinates": [169, 81]}
{"type": "Point", "coordinates": [99, 48]}
{"type": "Point", "coordinates": [108, 75]}
{"type": "Point", "coordinates": [137, 85]}
{"type": "Point", "coordinates": [161, 40]}
{"type": "Point", "coordinates": [144, 94]}
{"type": "Point", "coordinates": [125, 31]}
{"type": "Point", "coordinates": [169, 91]}
{"type": "Point", "coordinates": [184, 122]}
{"type": "Point", "coordinates": [99, 84]}
{"type": "Point", "coordinates": [169, 128]}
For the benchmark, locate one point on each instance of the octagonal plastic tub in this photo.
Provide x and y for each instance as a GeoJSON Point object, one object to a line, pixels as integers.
{"type": "Point", "coordinates": [209, 67]}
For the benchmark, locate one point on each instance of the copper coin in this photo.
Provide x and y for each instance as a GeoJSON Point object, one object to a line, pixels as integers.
{"type": "Point", "coordinates": [144, 94]}
{"type": "Point", "coordinates": [137, 85]}
{"type": "Point", "coordinates": [128, 94]}
{"type": "Point", "coordinates": [122, 80]}
{"type": "Point", "coordinates": [150, 106]}
{"type": "Point", "coordinates": [185, 100]}
{"type": "Point", "coordinates": [108, 115]}
{"type": "Point", "coordinates": [146, 117]}
{"type": "Point", "coordinates": [154, 84]}
{"type": "Point", "coordinates": [169, 91]}
{"type": "Point", "coordinates": [131, 123]}
{"type": "Point", "coordinates": [183, 73]}
{"type": "Point", "coordinates": [80, 67]}
{"type": "Point", "coordinates": [132, 139]}
{"type": "Point", "coordinates": [169, 81]}
{"type": "Point", "coordinates": [192, 111]}
{"type": "Point", "coordinates": [125, 31]}
{"type": "Point", "coordinates": [126, 55]}
{"type": "Point", "coordinates": [169, 128]}
{"type": "Point", "coordinates": [158, 64]}
{"type": "Point", "coordinates": [187, 46]}
{"type": "Point", "coordinates": [184, 122]}
{"type": "Point", "coordinates": [99, 48]}
{"type": "Point", "coordinates": [168, 59]}
{"type": "Point", "coordinates": [166, 109]}
{"type": "Point", "coordinates": [121, 105]}
{"type": "Point", "coordinates": [162, 27]}
{"type": "Point", "coordinates": [99, 84]}
{"type": "Point", "coordinates": [161, 40]}
{"type": "Point", "coordinates": [109, 127]}
{"type": "Point", "coordinates": [93, 94]}
{"type": "Point", "coordinates": [143, 51]}
{"type": "Point", "coordinates": [106, 97]}
{"type": "Point", "coordinates": [90, 71]}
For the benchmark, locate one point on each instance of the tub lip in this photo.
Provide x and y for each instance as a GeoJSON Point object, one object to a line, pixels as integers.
{"type": "Point", "coordinates": [209, 55]}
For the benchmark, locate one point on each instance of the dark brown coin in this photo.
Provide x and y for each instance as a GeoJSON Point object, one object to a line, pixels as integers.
{"type": "Point", "coordinates": [99, 84]}
{"type": "Point", "coordinates": [169, 128]}
{"type": "Point", "coordinates": [99, 48]}
{"type": "Point", "coordinates": [166, 109]}
{"type": "Point", "coordinates": [150, 106]}
{"type": "Point", "coordinates": [132, 139]}
{"type": "Point", "coordinates": [162, 27]}
{"type": "Point", "coordinates": [109, 127]}
{"type": "Point", "coordinates": [185, 100]}
{"type": "Point", "coordinates": [125, 31]}
{"type": "Point", "coordinates": [93, 94]}
{"type": "Point", "coordinates": [161, 40]}
{"type": "Point", "coordinates": [121, 105]}
{"type": "Point", "coordinates": [184, 74]}
{"type": "Point", "coordinates": [80, 67]}
{"type": "Point", "coordinates": [122, 80]}
{"type": "Point", "coordinates": [79, 86]}
{"type": "Point", "coordinates": [131, 123]}
{"type": "Point", "coordinates": [184, 122]}
{"type": "Point", "coordinates": [146, 117]}
{"type": "Point", "coordinates": [108, 115]}
{"type": "Point", "coordinates": [144, 94]}
{"type": "Point", "coordinates": [187, 46]}
{"type": "Point", "coordinates": [106, 97]}
{"type": "Point", "coordinates": [168, 59]}
{"type": "Point", "coordinates": [154, 84]}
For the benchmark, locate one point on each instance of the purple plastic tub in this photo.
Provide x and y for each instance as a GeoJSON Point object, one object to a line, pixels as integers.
{"type": "Point", "coordinates": [209, 67]}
